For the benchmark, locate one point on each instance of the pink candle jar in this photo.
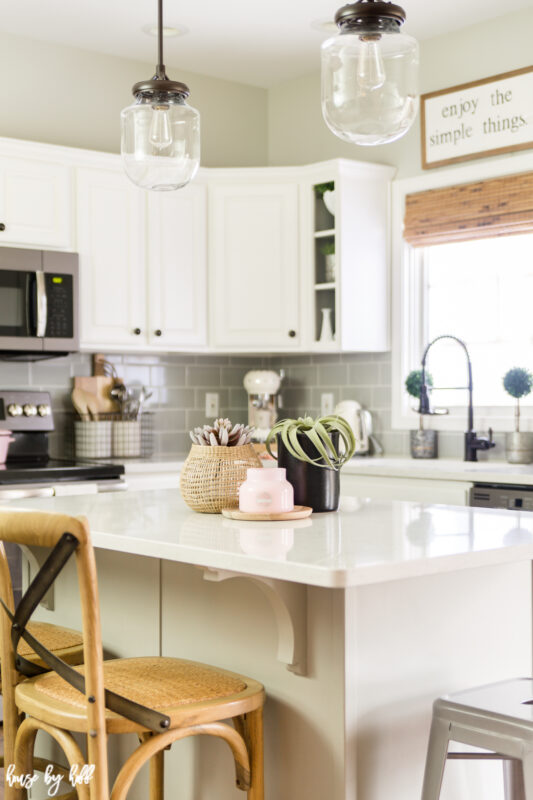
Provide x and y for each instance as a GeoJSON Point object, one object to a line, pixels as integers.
{"type": "Point", "coordinates": [266, 491]}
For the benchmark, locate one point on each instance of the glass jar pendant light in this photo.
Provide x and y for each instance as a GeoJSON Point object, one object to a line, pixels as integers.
{"type": "Point", "coordinates": [370, 74]}
{"type": "Point", "coordinates": [160, 132]}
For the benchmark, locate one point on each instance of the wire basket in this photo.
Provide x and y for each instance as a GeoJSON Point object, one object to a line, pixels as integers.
{"type": "Point", "coordinates": [113, 437]}
{"type": "Point", "coordinates": [93, 439]}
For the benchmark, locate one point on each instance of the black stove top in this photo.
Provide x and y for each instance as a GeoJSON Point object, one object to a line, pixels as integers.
{"type": "Point", "coordinates": [56, 469]}
{"type": "Point", "coordinates": [27, 414]}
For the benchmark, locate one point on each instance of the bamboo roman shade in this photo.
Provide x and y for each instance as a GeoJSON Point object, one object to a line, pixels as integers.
{"type": "Point", "coordinates": [496, 207]}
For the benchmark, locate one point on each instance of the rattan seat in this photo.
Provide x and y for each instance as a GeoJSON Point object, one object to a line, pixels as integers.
{"type": "Point", "coordinates": [55, 638]}
{"type": "Point", "coordinates": [64, 642]}
{"type": "Point", "coordinates": [172, 686]}
{"type": "Point", "coordinates": [163, 700]}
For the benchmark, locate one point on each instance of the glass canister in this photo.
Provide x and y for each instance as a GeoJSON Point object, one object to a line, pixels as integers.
{"type": "Point", "coordinates": [266, 491]}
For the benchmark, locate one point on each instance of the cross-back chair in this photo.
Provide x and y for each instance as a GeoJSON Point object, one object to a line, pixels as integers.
{"type": "Point", "coordinates": [160, 699]}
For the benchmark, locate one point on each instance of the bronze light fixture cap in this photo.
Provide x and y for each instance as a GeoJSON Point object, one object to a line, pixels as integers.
{"type": "Point", "coordinates": [157, 86]}
{"type": "Point", "coordinates": [370, 15]}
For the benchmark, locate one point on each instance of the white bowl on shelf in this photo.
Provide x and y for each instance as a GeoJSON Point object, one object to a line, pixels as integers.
{"type": "Point", "coordinates": [329, 201]}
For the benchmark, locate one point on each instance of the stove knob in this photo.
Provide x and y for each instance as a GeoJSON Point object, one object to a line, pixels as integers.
{"type": "Point", "coordinates": [14, 410]}
{"type": "Point", "coordinates": [43, 410]}
{"type": "Point", "coordinates": [29, 410]}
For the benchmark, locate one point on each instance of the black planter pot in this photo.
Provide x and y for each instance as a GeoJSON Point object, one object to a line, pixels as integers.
{"type": "Point", "coordinates": [317, 487]}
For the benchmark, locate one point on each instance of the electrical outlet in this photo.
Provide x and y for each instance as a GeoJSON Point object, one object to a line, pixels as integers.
{"type": "Point", "coordinates": [211, 404]}
{"type": "Point", "coordinates": [326, 403]}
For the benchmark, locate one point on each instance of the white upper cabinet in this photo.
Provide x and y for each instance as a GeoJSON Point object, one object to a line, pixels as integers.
{"type": "Point", "coordinates": [345, 256]}
{"type": "Point", "coordinates": [245, 259]}
{"type": "Point", "coordinates": [35, 201]}
{"type": "Point", "coordinates": [111, 245]}
{"type": "Point", "coordinates": [254, 262]}
{"type": "Point", "coordinates": [177, 264]}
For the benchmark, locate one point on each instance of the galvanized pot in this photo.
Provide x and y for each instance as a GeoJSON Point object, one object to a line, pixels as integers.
{"type": "Point", "coordinates": [519, 448]}
{"type": "Point", "coordinates": [424, 444]}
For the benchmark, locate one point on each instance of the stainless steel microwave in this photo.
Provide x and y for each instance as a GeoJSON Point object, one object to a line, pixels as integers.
{"type": "Point", "coordinates": [38, 302]}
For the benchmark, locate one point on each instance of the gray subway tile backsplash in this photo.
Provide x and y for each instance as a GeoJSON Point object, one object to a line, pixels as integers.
{"type": "Point", "coordinates": [180, 382]}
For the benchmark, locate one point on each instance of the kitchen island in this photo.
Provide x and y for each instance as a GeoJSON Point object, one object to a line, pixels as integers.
{"type": "Point", "coordinates": [354, 621]}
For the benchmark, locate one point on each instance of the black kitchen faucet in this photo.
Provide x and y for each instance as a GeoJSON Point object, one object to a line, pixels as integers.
{"type": "Point", "coordinates": [473, 442]}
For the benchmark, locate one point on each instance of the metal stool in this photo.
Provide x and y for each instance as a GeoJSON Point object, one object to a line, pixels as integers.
{"type": "Point", "coordinates": [499, 718]}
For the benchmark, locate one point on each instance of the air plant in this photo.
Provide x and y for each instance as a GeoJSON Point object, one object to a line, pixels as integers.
{"type": "Point", "coordinates": [222, 433]}
{"type": "Point", "coordinates": [318, 431]}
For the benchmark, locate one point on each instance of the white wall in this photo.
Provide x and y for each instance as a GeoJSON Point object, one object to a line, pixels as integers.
{"type": "Point", "coordinates": [298, 134]}
{"type": "Point", "coordinates": [62, 95]}
{"type": "Point", "coordinates": [75, 97]}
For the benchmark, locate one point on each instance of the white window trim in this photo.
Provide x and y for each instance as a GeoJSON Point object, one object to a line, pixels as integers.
{"type": "Point", "coordinates": [406, 306]}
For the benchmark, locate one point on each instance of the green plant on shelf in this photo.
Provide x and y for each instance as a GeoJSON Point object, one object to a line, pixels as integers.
{"type": "Point", "coordinates": [518, 382]}
{"type": "Point", "coordinates": [413, 386]}
{"type": "Point", "coordinates": [320, 188]}
{"type": "Point", "coordinates": [327, 249]}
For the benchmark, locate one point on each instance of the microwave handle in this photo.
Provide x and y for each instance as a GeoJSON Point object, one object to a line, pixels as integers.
{"type": "Point", "coordinates": [42, 304]}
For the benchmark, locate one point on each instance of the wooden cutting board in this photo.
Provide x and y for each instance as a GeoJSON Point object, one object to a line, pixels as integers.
{"type": "Point", "coordinates": [99, 386]}
{"type": "Point", "coordinates": [299, 512]}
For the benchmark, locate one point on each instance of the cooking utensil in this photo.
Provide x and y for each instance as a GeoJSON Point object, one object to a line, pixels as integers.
{"type": "Point", "coordinates": [79, 401]}
{"type": "Point", "coordinates": [120, 394]}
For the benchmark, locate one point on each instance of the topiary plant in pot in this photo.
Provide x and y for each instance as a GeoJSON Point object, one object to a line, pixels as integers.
{"type": "Point", "coordinates": [309, 450]}
{"type": "Point", "coordinates": [424, 444]}
{"type": "Point", "coordinates": [518, 383]}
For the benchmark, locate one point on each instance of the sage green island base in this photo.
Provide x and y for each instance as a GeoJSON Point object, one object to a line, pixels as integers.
{"type": "Point", "coordinates": [354, 622]}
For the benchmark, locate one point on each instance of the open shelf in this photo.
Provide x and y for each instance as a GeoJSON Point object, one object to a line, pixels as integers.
{"type": "Point", "coordinates": [325, 283]}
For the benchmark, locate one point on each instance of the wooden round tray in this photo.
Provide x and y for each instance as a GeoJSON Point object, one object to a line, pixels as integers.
{"type": "Point", "coordinates": [299, 512]}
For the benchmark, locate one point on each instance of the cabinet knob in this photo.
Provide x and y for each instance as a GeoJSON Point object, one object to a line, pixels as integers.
{"type": "Point", "coordinates": [137, 331]}
{"type": "Point", "coordinates": [2, 226]}
{"type": "Point", "coordinates": [292, 334]}
{"type": "Point", "coordinates": [158, 332]}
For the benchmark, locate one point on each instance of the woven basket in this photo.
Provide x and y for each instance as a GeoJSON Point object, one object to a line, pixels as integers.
{"type": "Point", "coordinates": [211, 476]}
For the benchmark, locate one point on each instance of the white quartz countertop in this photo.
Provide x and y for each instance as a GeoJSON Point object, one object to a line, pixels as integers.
{"type": "Point", "coordinates": [442, 469]}
{"type": "Point", "coordinates": [364, 542]}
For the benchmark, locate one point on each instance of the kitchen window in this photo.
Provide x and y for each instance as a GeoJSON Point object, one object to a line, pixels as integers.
{"type": "Point", "coordinates": [478, 289]}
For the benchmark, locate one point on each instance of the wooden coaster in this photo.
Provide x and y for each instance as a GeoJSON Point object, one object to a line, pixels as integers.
{"type": "Point", "coordinates": [299, 512]}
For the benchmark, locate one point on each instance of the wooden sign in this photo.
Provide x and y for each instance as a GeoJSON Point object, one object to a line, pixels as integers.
{"type": "Point", "coordinates": [479, 119]}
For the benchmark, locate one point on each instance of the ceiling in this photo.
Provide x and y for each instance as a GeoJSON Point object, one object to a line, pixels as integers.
{"type": "Point", "coordinates": [252, 42]}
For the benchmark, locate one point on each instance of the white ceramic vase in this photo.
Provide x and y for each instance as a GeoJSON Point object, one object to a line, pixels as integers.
{"type": "Point", "coordinates": [326, 331]}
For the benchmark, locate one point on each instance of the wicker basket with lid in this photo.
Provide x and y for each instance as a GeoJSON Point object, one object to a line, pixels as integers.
{"type": "Point", "coordinates": [211, 476]}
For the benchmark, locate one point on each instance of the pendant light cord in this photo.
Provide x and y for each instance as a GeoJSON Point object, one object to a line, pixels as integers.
{"type": "Point", "coordinates": [160, 70]}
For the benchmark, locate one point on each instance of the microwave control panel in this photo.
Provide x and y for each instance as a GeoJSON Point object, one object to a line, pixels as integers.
{"type": "Point", "coordinates": [60, 297]}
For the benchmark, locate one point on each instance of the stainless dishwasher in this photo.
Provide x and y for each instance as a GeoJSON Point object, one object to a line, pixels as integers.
{"type": "Point", "coordinates": [494, 495]}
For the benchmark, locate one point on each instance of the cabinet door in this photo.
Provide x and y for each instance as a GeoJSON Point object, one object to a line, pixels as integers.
{"type": "Point", "coordinates": [111, 222]}
{"type": "Point", "coordinates": [253, 256]}
{"type": "Point", "coordinates": [177, 264]}
{"type": "Point", "coordinates": [35, 203]}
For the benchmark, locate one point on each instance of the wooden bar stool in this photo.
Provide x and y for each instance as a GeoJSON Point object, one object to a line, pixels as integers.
{"type": "Point", "coordinates": [160, 699]}
{"type": "Point", "coordinates": [497, 718]}
{"type": "Point", "coordinates": [65, 644]}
